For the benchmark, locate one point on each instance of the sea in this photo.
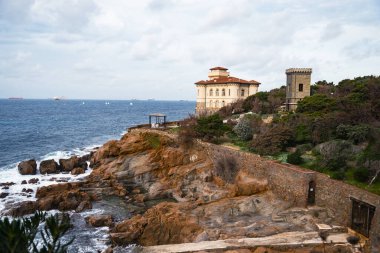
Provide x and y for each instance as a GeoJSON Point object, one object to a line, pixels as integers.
{"type": "Point", "coordinates": [55, 129]}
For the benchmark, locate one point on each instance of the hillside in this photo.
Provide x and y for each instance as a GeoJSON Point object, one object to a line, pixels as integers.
{"type": "Point", "coordinates": [335, 131]}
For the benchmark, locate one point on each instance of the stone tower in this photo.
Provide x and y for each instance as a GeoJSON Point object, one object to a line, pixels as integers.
{"type": "Point", "coordinates": [297, 86]}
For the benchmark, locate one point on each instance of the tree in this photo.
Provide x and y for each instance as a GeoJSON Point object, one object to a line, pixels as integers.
{"type": "Point", "coordinates": [273, 140]}
{"type": "Point", "coordinates": [316, 103]}
{"type": "Point", "coordinates": [18, 235]}
{"type": "Point", "coordinates": [210, 127]}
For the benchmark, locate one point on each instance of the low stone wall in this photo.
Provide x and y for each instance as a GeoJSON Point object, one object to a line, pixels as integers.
{"type": "Point", "coordinates": [291, 183]}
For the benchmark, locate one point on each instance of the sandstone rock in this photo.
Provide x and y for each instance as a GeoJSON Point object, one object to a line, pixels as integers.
{"type": "Point", "coordinates": [49, 167]}
{"type": "Point", "coordinates": [3, 195]}
{"type": "Point", "coordinates": [33, 181]}
{"type": "Point", "coordinates": [27, 190]}
{"type": "Point", "coordinates": [27, 167]}
{"type": "Point", "coordinates": [23, 208]}
{"type": "Point", "coordinates": [83, 206]}
{"type": "Point", "coordinates": [99, 220]}
{"type": "Point", "coordinates": [77, 171]}
{"type": "Point", "coordinates": [161, 224]}
{"type": "Point", "coordinates": [68, 164]}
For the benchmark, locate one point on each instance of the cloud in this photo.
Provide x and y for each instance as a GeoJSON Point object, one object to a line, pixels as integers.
{"type": "Point", "coordinates": [115, 48]}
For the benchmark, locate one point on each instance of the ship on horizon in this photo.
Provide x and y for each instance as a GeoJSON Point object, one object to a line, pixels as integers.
{"type": "Point", "coordinates": [13, 98]}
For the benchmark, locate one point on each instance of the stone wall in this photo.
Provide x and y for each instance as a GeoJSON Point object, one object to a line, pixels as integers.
{"type": "Point", "coordinates": [291, 183]}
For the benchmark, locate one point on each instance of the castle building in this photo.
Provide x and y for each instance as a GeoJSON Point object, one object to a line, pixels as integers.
{"type": "Point", "coordinates": [297, 86]}
{"type": "Point", "coordinates": [221, 89]}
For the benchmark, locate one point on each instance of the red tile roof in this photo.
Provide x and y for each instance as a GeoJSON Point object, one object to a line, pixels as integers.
{"type": "Point", "coordinates": [227, 79]}
{"type": "Point", "coordinates": [218, 68]}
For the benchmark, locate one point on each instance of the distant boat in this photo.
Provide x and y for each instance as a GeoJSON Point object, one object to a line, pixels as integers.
{"type": "Point", "coordinates": [15, 98]}
{"type": "Point", "coordinates": [58, 98]}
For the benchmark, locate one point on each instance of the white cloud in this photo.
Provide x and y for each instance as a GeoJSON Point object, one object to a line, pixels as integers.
{"type": "Point", "coordinates": [115, 48]}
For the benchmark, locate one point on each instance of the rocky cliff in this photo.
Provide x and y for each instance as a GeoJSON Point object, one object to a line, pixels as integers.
{"type": "Point", "coordinates": [174, 194]}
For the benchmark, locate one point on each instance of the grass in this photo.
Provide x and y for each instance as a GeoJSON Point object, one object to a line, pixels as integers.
{"type": "Point", "coordinates": [153, 140]}
{"type": "Point", "coordinates": [243, 145]}
{"type": "Point", "coordinates": [374, 188]}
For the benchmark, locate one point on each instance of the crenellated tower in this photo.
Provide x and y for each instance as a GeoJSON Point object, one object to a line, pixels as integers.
{"type": "Point", "coordinates": [297, 86]}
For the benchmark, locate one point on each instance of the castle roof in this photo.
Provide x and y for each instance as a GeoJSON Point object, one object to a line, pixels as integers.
{"type": "Point", "coordinates": [228, 79]}
{"type": "Point", "coordinates": [218, 68]}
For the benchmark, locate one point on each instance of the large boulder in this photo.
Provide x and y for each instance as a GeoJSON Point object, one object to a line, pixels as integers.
{"type": "Point", "coordinates": [49, 167]}
{"type": "Point", "coordinates": [77, 171]}
{"type": "Point", "coordinates": [28, 167]}
{"type": "Point", "coordinates": [73, 162]}
{"type": "Point", "coordinates": [99, 220]}
{"type": "Point", "coordinates": [68, 164]}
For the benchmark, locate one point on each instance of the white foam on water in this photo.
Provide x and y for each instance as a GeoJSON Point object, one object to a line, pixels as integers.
{"type": "Point", "coordinates": [10, 174]}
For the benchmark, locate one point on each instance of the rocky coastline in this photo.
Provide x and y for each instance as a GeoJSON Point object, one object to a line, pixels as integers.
{"type": "Point", "coordinates": [168, 193]}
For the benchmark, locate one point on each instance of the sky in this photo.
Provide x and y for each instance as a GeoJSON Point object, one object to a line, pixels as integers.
{"type": "Point", "coordinates": [127, 49]}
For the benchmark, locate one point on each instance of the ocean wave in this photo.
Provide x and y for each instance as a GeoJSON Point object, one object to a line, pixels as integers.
{"type": "Point", "coordinates": [10, 174]}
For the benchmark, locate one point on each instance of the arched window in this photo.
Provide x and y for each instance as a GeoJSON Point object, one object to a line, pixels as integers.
{"type": "Point", "coordinates": [242, 92]}
{"type": "Point", "coordinates": [216, 103]}
{"type": "Point", "coordinates": [211, 93]}
{"type": "Point", "coordinates": [300, 87]}
{"type": "Point", "coordinates": [217, 92]}
{"type": "Point", "coordinates": [229, 92]}
{"type": "Point", "coordinates": [210, 103]}
{"type": "Point", "coordinates": [223, 92]}
{"type": "Point", "coordinates": [223, 103]}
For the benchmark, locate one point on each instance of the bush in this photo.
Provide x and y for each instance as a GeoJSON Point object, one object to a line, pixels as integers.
{"type": "Point", "coordinates": [19, 234]}
{"type": "Point", "coordinates": [226, 168]}
{"type": "Point", "coordinates": [295, 158]}
{"type": "Point", "coordinates": [187, 133]}
{"type": "Point", "coordinates": [243, 129]}
{"type": "Point", "coordinates": [272, 141]}
{"type": "Point", "coordinates": [361, 174]}
{"type": "Point", "coordinates": [355, 133]}
{"type": "Point", "coordinates": [209, 127]}
{"type": "Point", "coordinates": [316, 103]}
{"type": "Point", "coordinates": [335, 164]}
{"type": "Point", "coordinates": [338, 175]}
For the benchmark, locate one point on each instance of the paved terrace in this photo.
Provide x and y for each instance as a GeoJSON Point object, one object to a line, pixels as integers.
{"type": "Point", "coordinates": [289, 239]}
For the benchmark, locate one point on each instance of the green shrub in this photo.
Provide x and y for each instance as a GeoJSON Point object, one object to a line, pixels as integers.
{"type": "Point", "coordinates": [355, 133]}
{"type": "Point", "coordinates": [361, 174]}
{"type": "Point", "coordinates": [272, 141]}
{"type": "Point", "coordinates": [335, 164]}
{"type": "Point", "coordinates": [209, 127]}
{"type": "Point", "coordinates": [18, 235]}
{"type": "Point", "coordinates": [243, 129]}
{"type": "Point", "coordinates": [338, 175]}
{"type": "Point", "coordinates": [316, 103]}
{"type": "Point", "coordinates": [295, 158]}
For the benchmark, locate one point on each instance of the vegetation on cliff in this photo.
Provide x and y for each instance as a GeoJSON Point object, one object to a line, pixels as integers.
{"type": "Point", "coordinates": [19, 234]}
{"type": "Point", "coordinates": [336, 130]}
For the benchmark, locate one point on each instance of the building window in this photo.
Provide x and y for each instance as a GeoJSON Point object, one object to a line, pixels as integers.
{"type": "Point", "coordinates": [242, 92]}
{"type": "Point", "coordinates": [216, 104]}
{"type": "Point", "coordinates": [223, 103]}
{"type": "Point", "coordinates": [217, 92]}
{"type": "Point", "coordinates": [211, 93]}
{"type": "Point", "coordinates": [198, 92]}
{"type": "Point", "coordinates": [210, 103]}
{"type": "Point", "coordinates": [300, 87]}
{"type": "Point", "coordinates": [223, 92]}
{"type": "Point", "coordinates": [229, 92]}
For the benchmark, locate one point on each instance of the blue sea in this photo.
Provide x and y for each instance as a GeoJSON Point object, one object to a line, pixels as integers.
{"type": "Point", "coordinates": [49, 129]}
{"type": "Point", "coordinates": [34, 128]}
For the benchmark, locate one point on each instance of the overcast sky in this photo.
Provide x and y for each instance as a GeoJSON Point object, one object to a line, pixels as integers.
{"type": "Point", "coordinates": [123, 49]}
